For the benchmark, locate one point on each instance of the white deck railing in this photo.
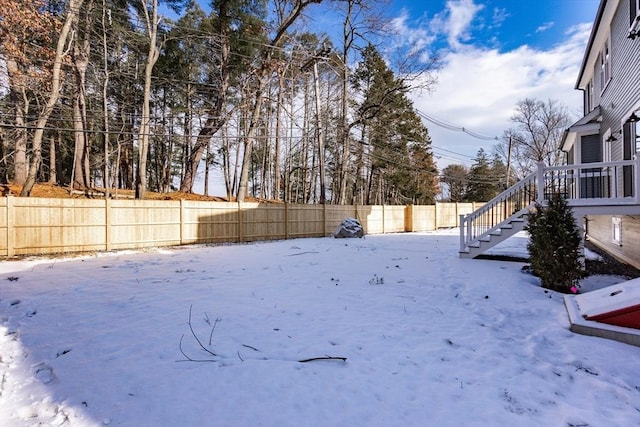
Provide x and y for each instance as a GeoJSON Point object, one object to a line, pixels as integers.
{"type": "Point", "coordinates": [592, 184]}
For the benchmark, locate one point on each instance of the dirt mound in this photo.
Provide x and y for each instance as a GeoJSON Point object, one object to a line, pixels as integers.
{"type": "Point", "coordinates": [57, 192]}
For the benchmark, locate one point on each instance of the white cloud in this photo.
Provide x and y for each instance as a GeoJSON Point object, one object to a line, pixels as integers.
{"type": "Point", "coordinates": [544, 27]}
{"type": "Point", "coordinates": [418, 38]}
{"type": "Point", "coordinates": [499, 16]}
{"type": "Point", "coordinates": [460, 16]}
{"type": "Point", "coordinates": [479, 88]}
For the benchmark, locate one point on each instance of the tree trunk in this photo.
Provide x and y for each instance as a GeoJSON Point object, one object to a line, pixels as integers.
{"type": "Point", "coordinates": [152, 22]}
{"type": "Point", "coordinates": [81, 153]}
{"type": "Point", "coordinates": [105, 101]}
{"type": "Point", "coordinates": [217, 115]}
{"type": "Point", "coordinates": [263, 75]}
{"type": "Point", "coordinates": [72, 14]}
{"type": "Point", "coordinates": [20, 103]}
{"type": "Point", "coordinates": [53, 175]}
{"type": "Point", "coordinates": [3, 159]}
{"type": "Point", "coordinates": [347, 41]}
{"type": "Point", "coordinates": [276, 155]}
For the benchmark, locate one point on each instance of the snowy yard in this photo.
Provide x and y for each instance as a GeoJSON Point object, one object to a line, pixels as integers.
{"type": "Point", "coordinates": [429, 340]}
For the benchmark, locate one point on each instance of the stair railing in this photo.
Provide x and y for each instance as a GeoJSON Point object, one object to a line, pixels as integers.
{"type": "Point", "coordinates": [582, 184]}
{"type": "Point", "coordinates": [514, 200]}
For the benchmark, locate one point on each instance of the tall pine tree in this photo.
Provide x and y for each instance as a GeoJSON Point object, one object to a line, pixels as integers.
{"type": "Point", "coordinates": [482, 180]}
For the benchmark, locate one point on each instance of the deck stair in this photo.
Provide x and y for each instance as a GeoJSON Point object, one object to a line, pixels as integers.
{"type": "Point", "coordinates": [603, 188]}
{"type": "Point", "coordinates": [497, 234]}
{"type": "Point", "coordinates": [498, 219]}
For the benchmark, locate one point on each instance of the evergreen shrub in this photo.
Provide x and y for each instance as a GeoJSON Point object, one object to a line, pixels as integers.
{"type": "Point", "coordinates": [554, 246]}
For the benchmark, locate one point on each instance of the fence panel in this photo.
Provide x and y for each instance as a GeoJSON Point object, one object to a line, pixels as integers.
{"type": "Point", "coordinates": [33, 226]}
{"type": "Point", "coordinates": [393, 219]}
{"type": "Point", "coordinates": [305, 221]}
{"type": "Point", "coordinates": [43, 226]}
{"type": "Point", "coordinates": [262, 221]}
{"type": "Point", "coordinates": [372, 219]}
{"type": "Point", "coordinates": [446, 215]}
{"type": "Point", "coordinates": [204, 222]}
{"type": "Point", "coordinates": [424, 218]}
{"type": "Point", "coordinates": [144, 223]}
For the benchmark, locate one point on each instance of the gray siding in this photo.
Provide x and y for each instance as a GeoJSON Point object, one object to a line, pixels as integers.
{"type": "Point", "coordinates": [623, 91]}
{"type": "Point", "coordinates": [616, 99]}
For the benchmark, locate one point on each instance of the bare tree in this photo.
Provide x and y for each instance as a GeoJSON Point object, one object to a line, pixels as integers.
{"type": "Point", "coordinates": [535, 136]}
{"type": "Point", "coordinates": [27, 31]}
{"type": "Point", "coordinates": [217, 116]}
{"type": "Point", "coordinates": [288, 12]}
{"type": "Point", "coordinates": [81, 153]}
{"type": "Point", "coordinates": [73, 9]}
{"type": "Point", "coordinates": [152, 22]}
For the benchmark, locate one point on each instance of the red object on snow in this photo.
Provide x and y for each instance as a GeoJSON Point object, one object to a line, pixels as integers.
{"type": "Point", "coordinates": [617, 305]}
{"type": "Point", "coordinates": [628, 317]}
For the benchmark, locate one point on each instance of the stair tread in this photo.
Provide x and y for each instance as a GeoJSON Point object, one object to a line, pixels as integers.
{"type": "Point", "coordinates": [494, 236]}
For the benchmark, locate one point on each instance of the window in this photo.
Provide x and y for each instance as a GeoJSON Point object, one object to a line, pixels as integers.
{"type": "Point", "coordinates": [630, 140]}
{"type": "Point", "coordinates": [616, 230]}
{"type": "Point", "coordinates": [589, 97]}
{"type": "Point", "coordinates": [628, 152]}
{"type": "Point", "coordinates": [607, 172]}
{"type": "Point", "coordinates": [605, 65]}
{"type": "Point", "coordinates": [606, 147]}
{"type": "Point", "coordinates": [634, 13]}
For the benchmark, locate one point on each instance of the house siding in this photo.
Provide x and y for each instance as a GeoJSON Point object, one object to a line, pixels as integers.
{"type": "Point", "coordinates": [600, 233]}
{"type": "Point", "coordinates": [617, 99]}
{"type": "Point", "coordinates": [622, 92]}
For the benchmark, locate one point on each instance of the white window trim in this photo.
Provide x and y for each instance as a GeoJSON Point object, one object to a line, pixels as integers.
{"type": "Point", "coordinates": [590, 97]}
{"type": "Point", "coordinates": [635, 23]}
{"type": "Point", "coordinates": [606, 147]}
{"type": "Point", "coordinates": [616, 230]}
{"type": "Point", "coordinates": [605, 65]}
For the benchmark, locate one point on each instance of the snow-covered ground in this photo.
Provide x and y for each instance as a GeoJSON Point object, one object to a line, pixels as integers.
{"type": "Point", "coordinates": [429, 339]}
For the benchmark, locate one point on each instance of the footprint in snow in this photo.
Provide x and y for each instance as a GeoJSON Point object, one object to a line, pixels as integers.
{"type": "Point", "coordinates": [44, 373]}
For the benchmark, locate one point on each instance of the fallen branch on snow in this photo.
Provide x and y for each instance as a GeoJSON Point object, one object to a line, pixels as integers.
{"type": "Point", "coordinates": [344, 359]}
{"type": "Point", "coordinates": [189, 358]}
{"type": "Point", "coordinates": [211, 353]}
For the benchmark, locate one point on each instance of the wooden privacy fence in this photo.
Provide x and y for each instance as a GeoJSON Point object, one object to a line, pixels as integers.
{"type": "Point", "coordinates": [31, 226]}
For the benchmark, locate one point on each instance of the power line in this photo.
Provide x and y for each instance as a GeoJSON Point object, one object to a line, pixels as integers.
{"type": "Point", "coordinates": [453, 127]}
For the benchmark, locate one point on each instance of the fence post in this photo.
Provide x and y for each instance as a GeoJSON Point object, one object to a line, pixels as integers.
{"type": "Point", "coordinates": [107, 224]}
{"type": "Point", "coordinates": [286, 220]}
{"type": "Point", "coordinates": [182, 221]}
{"type": "Point", "coordinates": [239, 221]}
{"type": "Point", "coordinates": [324, 220]}
{"type": "Point", "coordinates": [10, 226]}
{"type": "Point", "coordinates": [408, 219]}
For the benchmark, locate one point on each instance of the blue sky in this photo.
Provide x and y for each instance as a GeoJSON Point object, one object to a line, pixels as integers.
{"type": "Point", "coordinates": [502, 24]}
{"type": "Point", "coordinates": [494, 53]}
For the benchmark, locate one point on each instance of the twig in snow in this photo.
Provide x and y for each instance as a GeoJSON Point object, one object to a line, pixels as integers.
{"type": "Point", "coordinates": [195, 336]}
{"type": "Point", "coordinates": [187, 358]}
{"type": "Point", "coordinates": [252, 348]}
{"type": "Point", "coordinates": [213, 328]}
{"type": "Point", "coordinates": [344, 359]}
